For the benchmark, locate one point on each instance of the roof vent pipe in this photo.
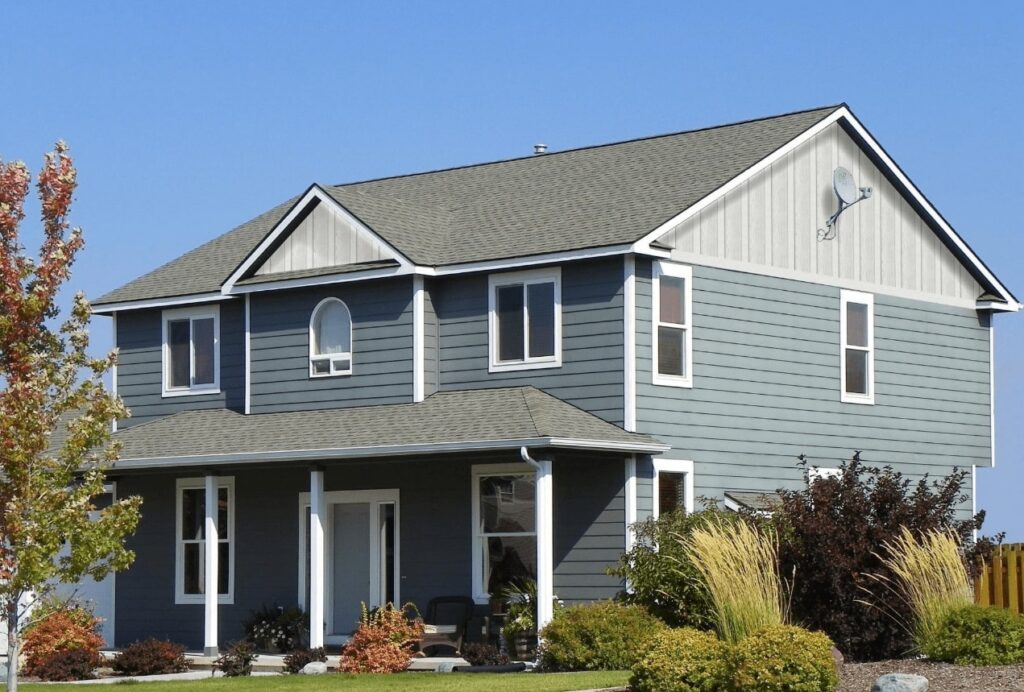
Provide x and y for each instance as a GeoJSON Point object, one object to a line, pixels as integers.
{"type": "Point", "coordinates": [540, 149]}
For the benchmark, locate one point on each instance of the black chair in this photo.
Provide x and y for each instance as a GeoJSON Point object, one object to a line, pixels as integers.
{"type": "Point", "coordinates": [446, 621]}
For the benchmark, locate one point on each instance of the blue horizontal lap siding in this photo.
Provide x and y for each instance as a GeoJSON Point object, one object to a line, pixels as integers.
{"type": "Point", "coordinates": [766, 384]}
{"type": "Point", "coordinates": [591, 375]}
{"type": "Point", "coordinates": [140, 365]}
{"type": "Point", "coordinates": [381, 348]}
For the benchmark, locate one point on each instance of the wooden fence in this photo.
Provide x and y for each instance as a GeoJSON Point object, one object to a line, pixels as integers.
{"type": "Point", "coordinates": [1002, 579]}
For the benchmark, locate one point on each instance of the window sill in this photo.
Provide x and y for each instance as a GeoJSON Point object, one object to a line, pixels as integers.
{"type": "Point", "coordinates": [525, 365]}
{"type": "Point", "coordinates": [171, 393]}
{"type": "Point", "coordinates": [320, 376]}
{"type": "Point", "coordinates": [181, 599]}
{"type": "Point", "coordinates": [855, 399]}
{"type": "Point", "coordinates": [671, 381]}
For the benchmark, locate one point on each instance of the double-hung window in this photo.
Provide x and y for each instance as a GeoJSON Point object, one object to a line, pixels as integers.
{"type": "Point", "coordinates": [857, 345]}
{"type": "Point", "coordinates": [191, 351]}
{"type": "Point", "coordinates": [190, 556]}
{"type": "Point", "coordinates": [504, 528]}
{"type": "Point", "coordinates": [525, 320]}
{"type": "Point", "coordinates": [671, 317]}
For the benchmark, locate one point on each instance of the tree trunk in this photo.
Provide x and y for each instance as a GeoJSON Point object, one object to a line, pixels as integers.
{"type": "Point", "coordinates": [12, 644]}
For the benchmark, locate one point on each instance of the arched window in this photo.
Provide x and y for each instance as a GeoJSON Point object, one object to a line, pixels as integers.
{"type": "Point", "coordinates": [330, 339]}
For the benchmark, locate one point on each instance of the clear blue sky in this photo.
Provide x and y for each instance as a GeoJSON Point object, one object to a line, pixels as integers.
{"type": "Point", "coordinates": [188, 118]}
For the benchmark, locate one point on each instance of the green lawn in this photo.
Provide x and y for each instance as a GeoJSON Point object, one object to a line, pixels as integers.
{"type": "Point", "coordinates": [448, 682]}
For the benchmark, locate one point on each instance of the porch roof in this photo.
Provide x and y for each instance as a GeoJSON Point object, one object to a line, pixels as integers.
{"type": "Point", "coordinates": [470, 420]}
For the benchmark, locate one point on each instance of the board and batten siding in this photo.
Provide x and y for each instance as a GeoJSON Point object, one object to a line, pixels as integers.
{"type": "Point", "coordinates": [382, 358]}
{"type": "Point", "coordinates": [139, 341]}
{"type": "Point", "coordinates": [769, 223]}
{"type": "Point", "coordinates": [766, 384]}
{"type": "Point", "coordinates": [591, 374]}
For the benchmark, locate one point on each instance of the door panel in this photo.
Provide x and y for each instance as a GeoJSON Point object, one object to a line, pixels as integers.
{"type": "Point", "coordinates": [351, 549]}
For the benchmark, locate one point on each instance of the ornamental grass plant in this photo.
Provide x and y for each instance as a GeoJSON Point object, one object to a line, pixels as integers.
{"type": "Point", "coordinates": [738, 564]}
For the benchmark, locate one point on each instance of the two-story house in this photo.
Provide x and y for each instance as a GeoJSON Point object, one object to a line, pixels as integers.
{"type": "Point", "coordinates": [436, 384]}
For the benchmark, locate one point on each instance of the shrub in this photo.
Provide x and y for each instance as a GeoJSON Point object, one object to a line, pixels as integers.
{"type": "Point", "coordinates": [829, 532]}
{"type": "Point", "coordinates": [660, 576]}
{"type": "Point", "coordinates": [783, 658]}
{"type": "Point", "coordinates": [483, 655]}
{"type": "Point", "coordinates": [739, 566]}
{"type": "Point", "coordinates": [683, 660]}
{"type": "Point", "coordinates": [151, 657]}
{"type": "Point", "coordinates": [277, 628]}
{"type": "Point", "coordinates": [297, 660]}
{"type": "Point", "coordinates": [237, 660]}
{"type": "Point", "coordinates": [929, 576]}
{"type": "Point", "coordinates": [58, 633]}
{"type": "Point", "coordinates": [383, 642]}
{"type": "Point", "coordinates": [597, 636]}
{"type": "Point", "coordinates": [978, 636]}
{"type": "Point", "coordinates": [66, 665]}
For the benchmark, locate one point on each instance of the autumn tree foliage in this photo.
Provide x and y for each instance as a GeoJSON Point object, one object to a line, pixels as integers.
{"type": "Point", "coordinates": [55, 413]}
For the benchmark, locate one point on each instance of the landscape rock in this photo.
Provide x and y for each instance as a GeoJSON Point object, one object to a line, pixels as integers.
{"type": "Point", "coordinates": [900, 682]}
{"type": "Point", "coordinates": [314, 668]}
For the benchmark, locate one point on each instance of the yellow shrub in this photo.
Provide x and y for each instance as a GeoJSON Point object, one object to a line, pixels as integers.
{"type": "Point", "coordinates": [784, 658]}
{"type": "Point", "coordinates": [683, 660]}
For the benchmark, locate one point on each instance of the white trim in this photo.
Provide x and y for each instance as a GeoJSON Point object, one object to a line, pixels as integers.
{"type": "Point", "coordinates": [191, 314]}
{"type": "Point", "coordinates": [331, 357]}
{"type": "Point", "coordinates": [387, 450]}
{"type": "Point", "coordinates": [315, 192]}
{"type": "Point", "coordinates": [477, 472]}
{"type": "Point", "coordinates": [199, 483]}
{"type": "Point", "coordinates": [846, 297]}
{"type": "Point", "coordinates": [418, 340]}
{"type": "Point", "coordinates": [533, 260]}
{"type": "Point", "coordinates": [994, 306]}
{"type": "Point", "coordinates": [325, 280]}
{"type": "Point", "coordinates": [816, 472]}
{"type": "Point", "coordinates": [211, 550]}
{"type": "Point", "coordinates": [630, 500]}
{"type": "Point", "coordinates": [317, 558]}
{"type": "Point", "coordinates": [248, 356]}
{"type": "Point", "coordinates": [974, 497]}
{"type": "Point", "coordinates": [683, 466]}
{"type": "Point", "coordinates": [731, 504]}
{"type": "Point", "coordinates": [681, 271]}
{"type": "Point", "coordinates": [535, 276]}
{"type": "Point", "coordinates": [992, 389]}
{"type": "Point", "coordinates": [629, 343]}
{"type": "Point", "coordinates": [113, 369]}
{"type": "Point", "coordinates": [545, 528]}
{"type": "Point", "coordinates": [110, 308]}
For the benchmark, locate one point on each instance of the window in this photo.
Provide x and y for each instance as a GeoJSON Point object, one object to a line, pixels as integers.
{"type": "Point", "coordinates": [190, 557]}
{"type": "Point", "coordinates": [672, 338]}
{"type": "Point", "coordinates": [816, 473]}
{"type": "Point", "coordinates": [857, 343]}
{"type": "Point", "coordinates": [673, 486]}
{"type": "Point", "coordinates": [330, 339]}
{"type": "Point", "coordinates": [191, 347]}
{"type": "Point", "coordinates": [504, 527]}
{"type": "Point", "coordinates": [525, 317]}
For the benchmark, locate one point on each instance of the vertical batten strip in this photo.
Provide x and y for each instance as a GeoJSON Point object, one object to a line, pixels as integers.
{"type": "Point", "coordinates": [418, 340]}
{"type": "Point", "coordinates": [113, 369]}
{"type": "Point", "coordinates": [248, 356]}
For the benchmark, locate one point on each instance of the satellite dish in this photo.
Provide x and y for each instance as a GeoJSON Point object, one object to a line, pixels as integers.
{"type": "Point", "coordinates": [845, 187]}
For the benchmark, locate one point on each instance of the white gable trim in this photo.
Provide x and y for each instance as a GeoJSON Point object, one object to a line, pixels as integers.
{"type": "Point", "coordinates": [314, 193]}
{"type": "Point", "coordinates": [842, 113]}
{"type": "Point", "coordinates": [111, 308]}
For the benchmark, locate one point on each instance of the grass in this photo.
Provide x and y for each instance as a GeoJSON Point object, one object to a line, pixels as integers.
{"type": "Point", "coordinates": [446, 682]}
{"type": "Point", "coordinates": [739, 567]}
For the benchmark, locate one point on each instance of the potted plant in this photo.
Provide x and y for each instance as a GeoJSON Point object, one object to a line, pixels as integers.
{"type": "Point", "coordinates": [520, 628]}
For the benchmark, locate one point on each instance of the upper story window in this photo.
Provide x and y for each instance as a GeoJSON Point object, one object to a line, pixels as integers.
{"type": "Point", "coordinates": [525, 318]}
{"type": "Point", "coordinates": [330, 339]}
{"type": "Point", "coordinates": [191, 348]}
{"type": "Point", "coordinates": [857, 346]}
{"type": "Point", "coordinates": [672, 337]}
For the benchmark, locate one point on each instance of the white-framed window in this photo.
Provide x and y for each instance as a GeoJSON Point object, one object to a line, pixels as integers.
{"type": "Point", "coordinates": [190, 540]}
{"type": "Point", "coordinates": [330, 339]}
{"type": "Point", "coordinates": [525, 320]}
{"type": "Point", "coordinates": [672, 487]}
{"type": "Point", "coordinates": [191, 350]}
{"type": "Point", "coordinates": [816, 473]}
{"type": "Point", "coordinates": [857, 347]}
{"type": "Point", "coordinates": [504, 527]}
{"type": "Point", "coordinates": [671, 319]}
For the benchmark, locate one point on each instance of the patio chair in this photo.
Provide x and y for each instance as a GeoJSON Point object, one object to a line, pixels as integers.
{"type": "Point", "coordinates": [445, 622]}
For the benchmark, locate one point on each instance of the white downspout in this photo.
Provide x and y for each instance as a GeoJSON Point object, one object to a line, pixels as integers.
{"type": "Point", "coordinates": [545, 538]}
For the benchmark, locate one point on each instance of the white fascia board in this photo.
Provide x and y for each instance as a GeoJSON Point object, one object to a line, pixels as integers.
{"type": "Point", "coordinates": [110, 308]}
{"type": "Point", "coordinates": [385, 451]}
{"type": "Point", "coordinates": [314, 193]}
{"type": "Point", "coordinates": [325, 280]}
{"type": "Point", "coordinates": [549, 258]}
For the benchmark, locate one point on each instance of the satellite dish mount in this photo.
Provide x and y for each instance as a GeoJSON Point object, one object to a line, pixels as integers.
{"type": "Point", "coordinates": [847, 194]}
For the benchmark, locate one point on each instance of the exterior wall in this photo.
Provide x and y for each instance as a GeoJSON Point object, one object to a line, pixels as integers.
{"type": "Point", "coordinates": [769, 223]}
{"type": "Point", "coordinates": [140, 365]}
{"type": "Point", "coordinates": [766, 384]}
{"type": "Point", "coordinates": [591, 375]}
{"type": "Point", "coordinates": [382, 358]}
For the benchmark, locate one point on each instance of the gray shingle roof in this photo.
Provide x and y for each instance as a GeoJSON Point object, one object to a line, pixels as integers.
{"type": "Point", "coordinates": [583, 198]}
{"type": "Point", "coordinates": [502, 418]}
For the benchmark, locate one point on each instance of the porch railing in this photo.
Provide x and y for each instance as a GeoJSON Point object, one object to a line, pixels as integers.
{"type": "Point", "coordinates": [1001, 582]}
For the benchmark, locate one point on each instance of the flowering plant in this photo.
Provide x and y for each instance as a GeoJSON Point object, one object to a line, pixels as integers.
{"type": "Point", "coordinates": [283, 629]}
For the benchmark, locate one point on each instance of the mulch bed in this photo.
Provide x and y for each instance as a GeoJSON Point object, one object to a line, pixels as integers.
{"type": "Point", "coordinates": [942, 677]}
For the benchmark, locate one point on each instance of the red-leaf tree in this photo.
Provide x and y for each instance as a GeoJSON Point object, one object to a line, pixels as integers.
{"type": "Point", "coordinates": [55, 413]}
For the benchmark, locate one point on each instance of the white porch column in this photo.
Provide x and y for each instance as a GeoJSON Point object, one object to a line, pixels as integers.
{"type": "Point", "coordinates": [316, 558]}
{"type": "Point", "coordinates": [210, 586]}
{"type": "Point", "coordinates": [545, 544]}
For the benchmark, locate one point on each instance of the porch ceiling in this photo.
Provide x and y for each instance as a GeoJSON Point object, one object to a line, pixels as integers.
{"type": "Point", "coordinates": [471, 420]}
